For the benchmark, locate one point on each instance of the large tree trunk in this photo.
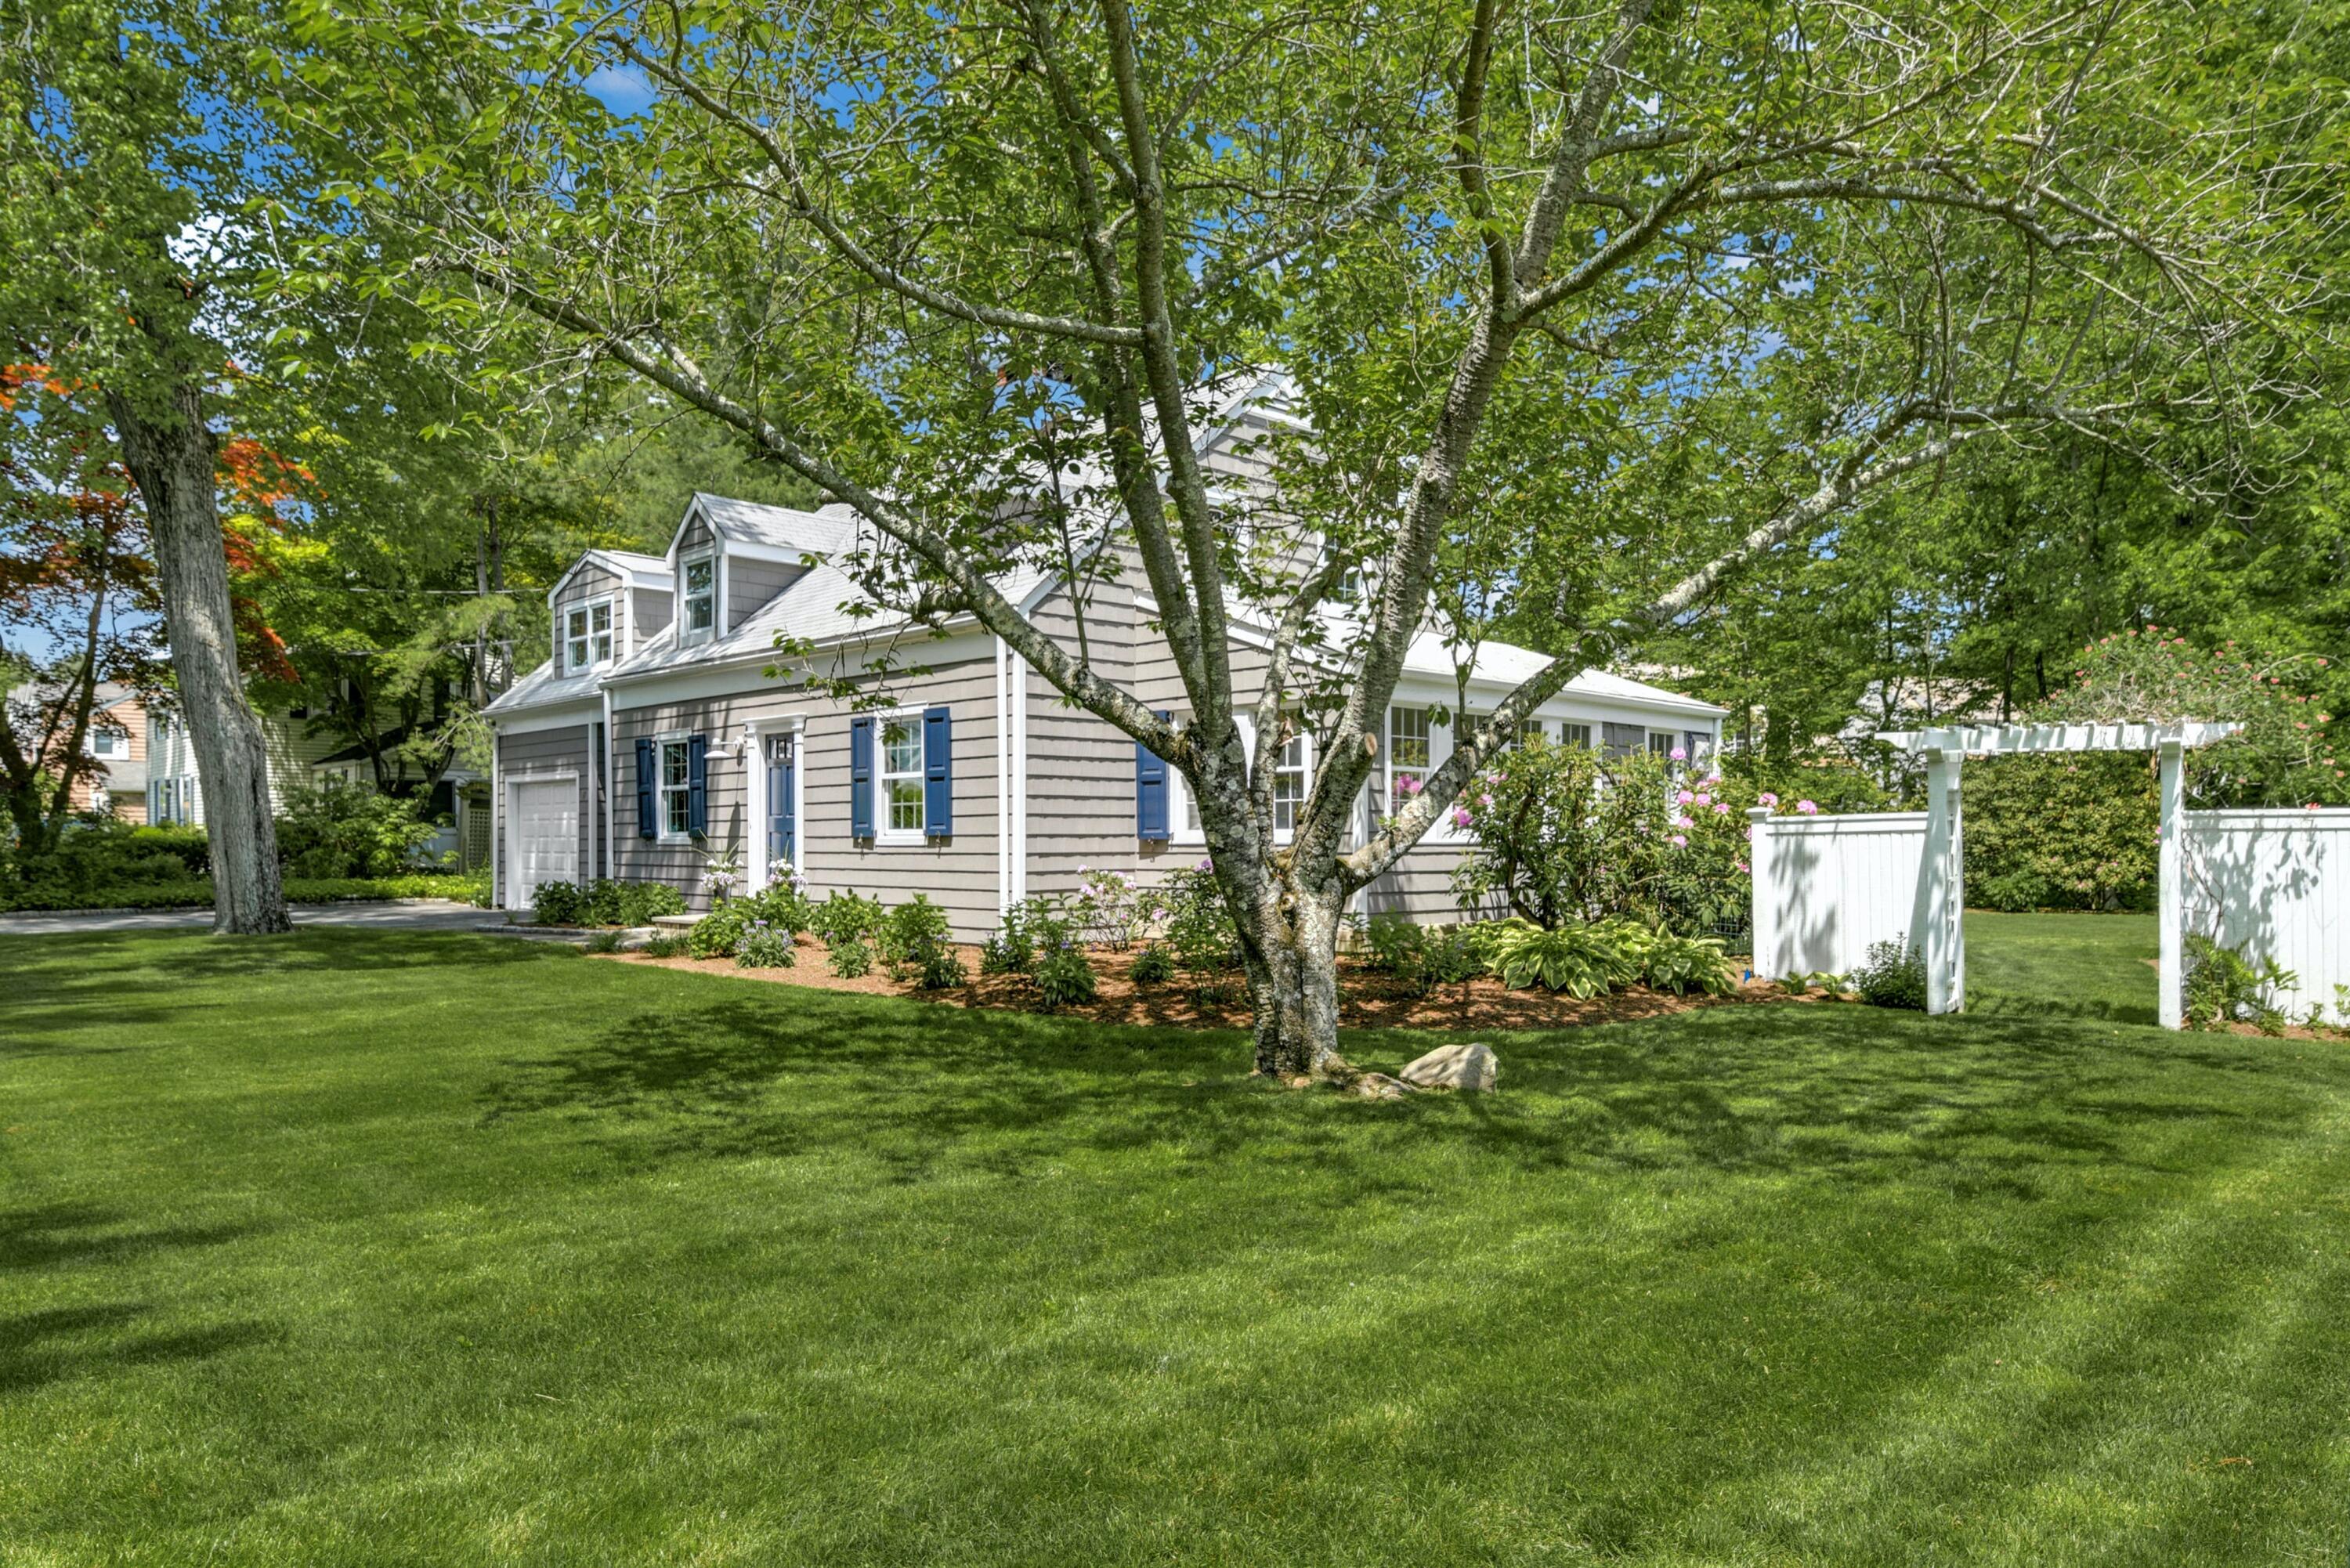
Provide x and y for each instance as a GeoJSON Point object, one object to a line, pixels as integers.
{"type": "Point", "coordinates": [1290, 949]}
{"type": "Point", "coordinates": [171, 458]}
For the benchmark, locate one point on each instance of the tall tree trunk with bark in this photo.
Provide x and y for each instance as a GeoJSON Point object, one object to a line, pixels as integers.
{"type": "Point", "coordinates": [171, 458]}
{"type": "Point", "coordinates": [1290, 951]}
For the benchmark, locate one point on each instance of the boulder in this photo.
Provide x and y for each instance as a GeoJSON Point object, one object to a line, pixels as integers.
{"type": "Point", "coordinates": [1454, 1067]}
{"type": "Point", "coordinates": [1378, 1086]}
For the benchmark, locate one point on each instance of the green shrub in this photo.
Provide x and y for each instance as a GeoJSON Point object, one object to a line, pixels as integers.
{"type": "Point", "coordinates": [1581, 961]}
{"type": "Point", "coordinates": [1154, 965]}
{"type": "Point", "coordinates": [612, 902]}
{"type": "Point", "coordinates": [557, 904]}
{"type": "Point", "coordinates": [1199, 930]}
{"type": "Point", "coordinates": [1894, 976]}
{"type": "Point", "coordinates": [1450, 958]}
{"type": "Point", "coordinates": [1394, 944]}
{"type": "Point", "coordinates": [2223, 987]}
{"type": "Point", "coordinates": [719, 932]}
{"type": "Point", "coordinates": [915, 940]}
{"type": "Point", "coordinates": [1063, 977]}
{"type": "Point", "coordinates": [764, 947]}
{"type": "Point", "coordinates": [1011, 949]}
{"type": "Point", "coordinates": [668, 947]}
{"type": "Point", "coordinates": [351, 830]}
{"type": "Point", "coordinates": [849, 958]}
{"type": "Point", "coordinates": [604, 942]}
{"type": "Point", "coordinates": [2062, 832]}
{"type": "Point", "coordinates": [190, 845]}
{"type": "Point", "coordinates": [846, 917]}
{"type": "Point", "coordinates": [1683, 964]}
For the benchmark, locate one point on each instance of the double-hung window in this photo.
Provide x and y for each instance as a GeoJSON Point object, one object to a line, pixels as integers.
{"type": "Point", "coordinates": [901, 777]}
{"type": "Point", "coordinates": [676, 783]}
{"type": "Point", "coordinates": [588, 635]}
{"type": "Point", "coordinates": [1293, 770]}
{"type": "Point", "coordinates": [1576, 735]}
{"type": "Point", "coordinates": [1410, 755]}
{"type": "Point", "coordinates": [1289, 773]}
{"type": "Point", "coordinates": [105, 742]}
{"type": "Point", "coordinates": [701, 597]}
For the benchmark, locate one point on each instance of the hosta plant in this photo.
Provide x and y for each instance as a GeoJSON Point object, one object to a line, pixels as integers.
{"type": "Point", "coordinates": [1581, 961]}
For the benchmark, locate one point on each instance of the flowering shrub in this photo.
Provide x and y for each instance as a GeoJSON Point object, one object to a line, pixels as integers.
{"type": "Point", "coordinates": [1109, 910]}
{"type": "Point", "coordinates": [2287, 754]}
{"type": "Point", "coordinates": [764, 947]}
{"type": "Point", "coordinates": [1562, 834]}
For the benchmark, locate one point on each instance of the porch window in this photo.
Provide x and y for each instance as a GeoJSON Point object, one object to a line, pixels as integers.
{"type": "Point", "coordinates": [1576, 735]}
{"type": "Point", "coordinates": [1289, 784]}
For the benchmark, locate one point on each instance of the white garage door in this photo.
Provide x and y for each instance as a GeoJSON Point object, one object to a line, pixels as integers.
{"type": "Point", "coordinates": [546, 836]}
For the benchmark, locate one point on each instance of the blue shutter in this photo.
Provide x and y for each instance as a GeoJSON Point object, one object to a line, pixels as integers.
{"type": "Point", "coordinates": [938, 773]}
{"type": "Point", "coordinates": [697, 785]}
{"type": "Point", "coordinates": [860, 778]}
{"type": "Point", "coordinates": [1149, 794]}
{"type": "Point", "coordinates": [782, 841]}
{"type": "Point", "coordinates": [648, 824]}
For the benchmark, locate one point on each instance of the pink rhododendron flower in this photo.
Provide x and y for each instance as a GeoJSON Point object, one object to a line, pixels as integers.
{"type": "Point", "coordinates": [1484, 803]}
{"type": "Point", "coordinates": [1684, 797]}
{"type": "Point", "coordinates": [1679, 755]}
{"type": "Point", "coordinates": [1703, 798]}
{"type": "Point", "coordinates": [1460, 816]}
{"type": "Point", "coordinates": [1678, 842]}
{"type": "Point", "coordinates": [1721, 809]}
{"type": "Point", "coordinates": [1683, 822]}
{"type": "Point", "coordinates": [1808, 807]}
{"type": "Point", "coordinates": [1205, 864]}
{"type": "Point", "coordinates": [1766, 798]}
{"type": "Point", "coordinates": [1740, 864]}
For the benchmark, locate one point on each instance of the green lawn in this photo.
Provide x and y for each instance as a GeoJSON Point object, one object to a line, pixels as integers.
{"type": "Point", "coordinates": [355, 1248]}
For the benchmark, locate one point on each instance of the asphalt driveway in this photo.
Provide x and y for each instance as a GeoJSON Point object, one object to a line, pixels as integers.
{"type": "Point", "coordinates": [420, 915]}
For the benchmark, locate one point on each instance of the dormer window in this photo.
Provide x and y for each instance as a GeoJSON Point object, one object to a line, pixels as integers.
{"type": "Point", "coordinates": [701, 597]}
{"type": "Point", "coordinates": [588, 635]}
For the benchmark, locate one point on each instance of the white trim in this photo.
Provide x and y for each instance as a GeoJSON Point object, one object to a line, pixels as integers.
{"type": "Point", "coordinates": [758, 732]}
{"type": "Point", "coordinates": [612, 634]}
{"type": "Point", "coordinates": [1993, 740]}
{"type": "Point", "coordinates": [575, 713]}
{"type": "Point", "coordinates": [1019, 674]}
{"type": "Point", "coordinates": [1179, 789]}
{"type": "Point", "coordinates": [681, 616]}
{"type": "Point", "coordinates": [1002, 779]}
{"type": "Point", "coordinates": [662, 788]}
{"type": "Point", "coordinates": [512, 845]}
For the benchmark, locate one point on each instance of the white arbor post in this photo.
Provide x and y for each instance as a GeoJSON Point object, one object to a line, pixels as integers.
{"type": "Point", "coordinates": [1939, 927]}
{"type": "Point", "coordinates": [2171, 889]}
{"type": "Point", "coordinates": [1765, 896]}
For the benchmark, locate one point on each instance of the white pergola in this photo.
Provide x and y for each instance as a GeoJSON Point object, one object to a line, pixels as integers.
{"type": "Point", "coordinates": [1941, 895]}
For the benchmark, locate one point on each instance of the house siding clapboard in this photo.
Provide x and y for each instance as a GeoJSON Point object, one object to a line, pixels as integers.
{"type": "Point", "coordinates": [957, 873]}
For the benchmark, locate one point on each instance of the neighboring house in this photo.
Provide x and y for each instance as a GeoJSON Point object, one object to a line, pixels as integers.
{"type": "Point", "coordinates": [175, 794]}
{"type": "Point", "coordinates": [117, 747]}
{"type": "Point", "coordinates": [651, 742]}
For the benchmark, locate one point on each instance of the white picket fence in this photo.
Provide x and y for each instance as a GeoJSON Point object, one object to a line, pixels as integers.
{"type": "Point", "coordinates": [2273, 884]}
{"type": "Point", "coordinates": [1827, 888]}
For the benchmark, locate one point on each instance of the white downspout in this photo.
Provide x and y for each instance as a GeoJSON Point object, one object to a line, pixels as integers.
{"type": "Point", "coordinates": [1004, 899]}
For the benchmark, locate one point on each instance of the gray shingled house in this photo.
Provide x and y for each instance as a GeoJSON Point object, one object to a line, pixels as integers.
{"type": "Point", "coordinates": [651, 742]}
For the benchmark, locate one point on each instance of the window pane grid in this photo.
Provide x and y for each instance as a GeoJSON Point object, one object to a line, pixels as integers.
{"type": "Point", "coordinates": [902, 776]}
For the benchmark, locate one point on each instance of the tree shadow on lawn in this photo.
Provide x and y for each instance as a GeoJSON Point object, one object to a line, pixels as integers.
{"type": "Point", "coordinates": [99, 1338]}
{"type": "Point", "coordinates": [1975, 1104]}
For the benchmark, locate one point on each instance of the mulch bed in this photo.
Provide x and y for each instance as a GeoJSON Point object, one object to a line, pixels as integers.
{"type": "Point", "coordinates": [1366, 999]}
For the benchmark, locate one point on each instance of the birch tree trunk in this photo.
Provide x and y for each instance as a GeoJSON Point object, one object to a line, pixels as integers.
{"type": "Point", "coordinates": [1290, 950]}
{"type": "Point", "coordinates": [171, 459]}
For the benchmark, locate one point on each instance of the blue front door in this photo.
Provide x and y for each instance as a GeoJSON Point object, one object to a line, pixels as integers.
{"type": "Point", "coordinates": [783, 838]}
